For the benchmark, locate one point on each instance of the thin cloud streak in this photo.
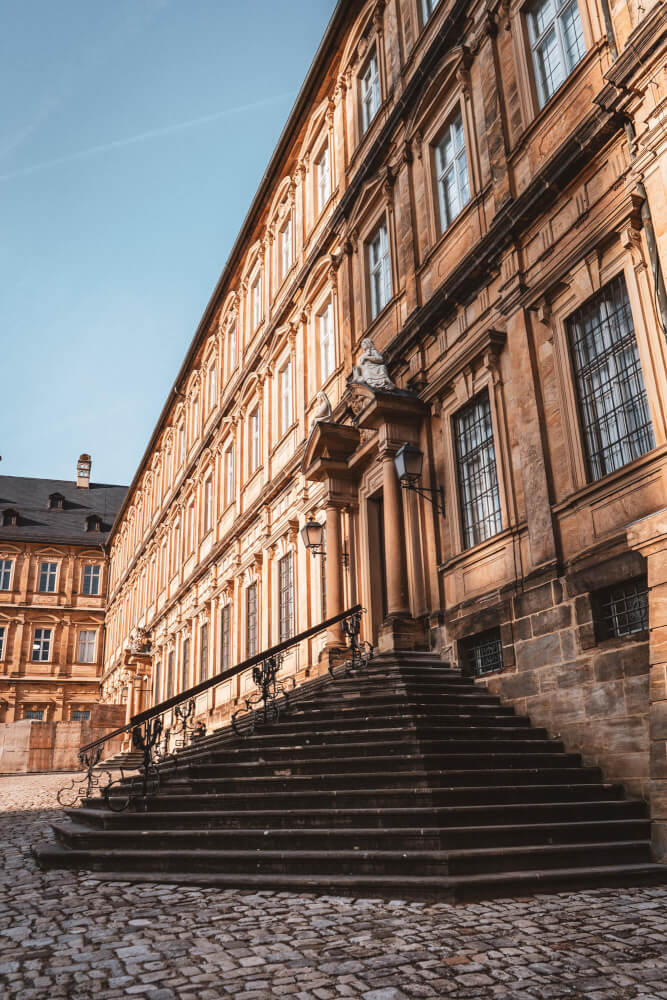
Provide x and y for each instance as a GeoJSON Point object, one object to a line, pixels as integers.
{"type": "Point", "coordinates": [143, 137]}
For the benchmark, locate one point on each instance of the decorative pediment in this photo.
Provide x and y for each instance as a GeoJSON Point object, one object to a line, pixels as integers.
{"type": "Point", "coordinates": [328, 449]}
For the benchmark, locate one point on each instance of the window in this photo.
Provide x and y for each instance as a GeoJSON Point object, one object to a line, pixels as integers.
{"type": "Point", "coordinates": [482, 653]}
{"type": "Point", "coordinates": [286, 397]}
{"type": "Point", "coordinates": [163, 566]}
{"type": "Point", "coordinates": [41, 645]}
{"type": "Point", "coordinates": [323, 178]}
{"type": "Point", "coordinates": [203, 652]}
{"type": "Point", "coordinates": [254, 441]}
{"type": "Point", "coordinates": [181, 444]}
{"type": "Point", "coordinates": [156, 681]}
{"type": "Point", "coordinates": [428, 6]}
{"type": "Point", "coordinates": [36, 714]}
{"type": "Point", "coordinates": [91, 579]}
{"type": "Point", "coordinates": [379, 270]}
{"type": "Point", "coordinates": [195, 420]}
{"type": "Point", "coordinates": [190, 522]}
{"type": "Point", "coordinates": [251, 620]}
{"type": "Point", "coordinates": [81, 715]}
{"type": "Point", "coordinates": [610, 387]}
{"type": "Point", "coordinates": [621, 610]}
{"type": "Point", "coordinates": [286, 596]}
{"type": "Point", "coordinates": [229, 476]}
{"type": "Point", "coordinates": [557, 43]}
{"type": "Point", "coordinates": [93, 522]}
{"type": "Point", "coordinates": [56, 501]}
{"type": "Point", "coordinates": [208, 505]}
{"type": "Point", "coordinates": [326, 337]}
{"type": "Point", "coordinates": [3, 633]}
{"type": "Point", "coordinates": [86, 650]}
{"type": "Point", "coordinates": [477, 474]}
{"type": "Point", "coordinates": [185, 666]}
{"type": "Point", "coordinates": [5, 573]}
{"type": "Point", "coordinates": [10, 518]}
{"type": "Point", "coordinates": [47, 578]}
{"type": "Point", "coordinates": [285, 248]}
{"type": "Point", "coordinates": [256, 302]}
{"type": "Point", "coordinates": [225, 637]}
{"type": "Point", "coordinates": [370, 92]}
{"type": "Point", "coordinates": [212, 385]}
{"type": "Point", "coordinates": [231, 348]}
{"type": "Point", "coordinates": [452, 172]}
{"type": "Point", "coordinates": [170, 674]}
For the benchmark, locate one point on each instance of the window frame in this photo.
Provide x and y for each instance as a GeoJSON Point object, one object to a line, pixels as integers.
{"type": "Point", "coordinates": [323, 191]}
{"type": "Point", "coordinates": [6, 573]}
{"type": "Point", "coordinates": [367, 117]}
{"type": "Point", "coordinates": [534, 42]}
{"type": "Point", "coordinates": [43, 641]}
{"type": "Point", "coordinates": [207, 505]}
{"type": "Point", "coordinates": [95, 577]}
{"type": "Point", "coordinates": [254, 441]}
{"type": "Point", "coordinates": [3, 640]}
{"type": "Point", "coordinates": [286, 597]}
{"type": "Point", "coordinates": [50, 573]}
{"type": "Point", "coordinates": [229, 470]}
{"type": "Point", "coordinates": [467, 541]}
{"type": "Point", "coordinates": [326, 371]}
{"type": "Point", "coordinates": [226, 636]}
{"type": "Point", "coordinates": [251, 619]}
{"type": "Point", "coordinates": [442, 170]}
{"type": "Point", "coordinates": [84, 644]}
{"type": "Point", "coordinates": [286, 248]}
{"type": "Point", "coordinates": [375, 306]}
{"type": "Point", "coordinates": [285, 397]}
{"type": "Point", "coordinates": [203, 652]}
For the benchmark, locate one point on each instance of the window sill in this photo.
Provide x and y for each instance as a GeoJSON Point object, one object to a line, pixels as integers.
{"type": "Point", "coordinates": [253, 476]}
{"type": "Point", "coordinates": [610, 481]}
{"type": "Point", "coordinates": [479, 550]}
{"type": "Point", "coordinates": [281, 440]}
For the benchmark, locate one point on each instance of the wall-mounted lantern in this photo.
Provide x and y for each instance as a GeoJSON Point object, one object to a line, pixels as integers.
{"type": "Point", "coordinates": [312, 535]}
{"type": "Point", "coordinates": [409, 460]}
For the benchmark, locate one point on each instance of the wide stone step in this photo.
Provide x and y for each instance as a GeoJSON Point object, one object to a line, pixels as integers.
{"type": "Point", "coordinates": [94, 829]}
{"type": "Point", "coordinates": [496, 715]}
{"type": "Point", "coordinates": [452, 888]}
{"type": "Point", "coordinates": [475, 697]}
{"type": "Point", "coordinates": [428, 738]}
{"type": "Point", "coordinates": [291, 733]}
{"type": "Point", "coordinates": [423, 724]}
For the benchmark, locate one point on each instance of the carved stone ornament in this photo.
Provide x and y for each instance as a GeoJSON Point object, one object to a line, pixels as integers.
{"type": "Point", "coordinates": [371, 370]}
{"type": "Point", "coordinates": [323, 411]}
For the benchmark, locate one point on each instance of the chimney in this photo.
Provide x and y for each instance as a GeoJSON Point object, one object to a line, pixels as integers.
{"type": "Point", "coordinates": [83, 472]}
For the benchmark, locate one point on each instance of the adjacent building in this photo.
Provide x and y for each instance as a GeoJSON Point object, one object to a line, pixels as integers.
{"type": "Point", "coordinates": [459, 245]}
{"type": "Point", "coordinates": [53, 584]}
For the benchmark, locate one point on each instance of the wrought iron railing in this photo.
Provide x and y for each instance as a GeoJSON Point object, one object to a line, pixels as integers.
{"type": "Point", "coordinates": [156, 744]}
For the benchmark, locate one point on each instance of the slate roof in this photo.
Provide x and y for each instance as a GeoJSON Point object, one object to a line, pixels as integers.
{"type": "Point", "coordinates": [37, 523]}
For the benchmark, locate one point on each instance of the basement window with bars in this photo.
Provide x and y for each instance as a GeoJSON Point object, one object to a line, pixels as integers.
{"type": "Point", "coordinates": [621, 610]}
{"type": "Point", "coordinates": [482, 653]}
{"type": "Point", "coordinates": [36, 714]}
{"type": "Point", "coordinates": [80, 715]}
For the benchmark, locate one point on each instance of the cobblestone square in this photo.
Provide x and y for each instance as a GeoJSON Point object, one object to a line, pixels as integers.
{"type": "Point", "coordinates": [65, 934]}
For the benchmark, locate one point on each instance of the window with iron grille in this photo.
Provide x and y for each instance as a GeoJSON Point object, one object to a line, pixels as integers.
{"type": "Point", "coordinates": [35, 713]}
{"type": "Point", "coordinates": [621, 610]}
{"type": "Point", "coordinates": [610, 385]}
{"type": "Point", "coordinates": [251, 620]}
{"type": "Point", "coordinates": [80, 715]}
{"type": "Point", "coordinates": [483, 653]}
{"type": "Point", "coordinates": [41, 645]}
{"type": "Point", "coordinates": [185, 666]}
{"type": "Point", "coordinates": [91, 580]}
{"type": "Point", "coordinates": [286, 596]}
{"type": "Point", "coordinates": [557, 43]}
{"type": "Point", "coordinates": [203, 652]}
{"type": "Point", "coordinates": [47, 577]}
{"type": "Point", "coordinates": [5, 573]}
{"type": "Point", "coordinates": [3, 632]}
{"type": "Point", "coordinates": [226, 637]}
{"type": "Point", "coordinates": [476, 470]}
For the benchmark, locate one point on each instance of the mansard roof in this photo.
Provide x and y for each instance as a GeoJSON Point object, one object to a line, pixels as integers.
{"type": "Point", "coordinates": [38, 522]}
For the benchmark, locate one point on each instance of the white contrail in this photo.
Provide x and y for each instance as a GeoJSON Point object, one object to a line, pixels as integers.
{"type": "Point", "coordinates": [152, 134]}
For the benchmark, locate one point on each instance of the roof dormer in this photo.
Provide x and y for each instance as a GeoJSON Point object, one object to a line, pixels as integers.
{"type": "Point", "coordinates": [56, 501]}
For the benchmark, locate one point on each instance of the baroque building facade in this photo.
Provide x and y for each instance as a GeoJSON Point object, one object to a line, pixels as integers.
{"type": "Point", "coordinates": [53, 580]}
{"type": "Point", "coordinates": [459, 245]}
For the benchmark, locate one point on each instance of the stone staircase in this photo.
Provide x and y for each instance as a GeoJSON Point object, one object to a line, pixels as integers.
{"type": "Point", "coordinates": [406, 780]}
{"type": "Point", "coordinates": [128, 760]}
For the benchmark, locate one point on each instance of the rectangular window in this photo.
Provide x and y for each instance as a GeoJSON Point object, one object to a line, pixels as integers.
{"type": "Point", "coordinates": [231, 348]}
{"type": "Point", "coordinates": [181, 445]}
{"type": "Point", "coordinates": [482, 653]}
{"type": "Point", "coordinates": [476, 469]}
{"type": "Point", "coordinates": [5, 573]}
{"type": "Point", "coordinates": [91, 579]}
{"type": "Point", "coordinates": [621, 610]}
{"type": "Point", "coordinates": [170, 674]}
{"type": "Point", "coordinates": [229, 476]}
{"type": "Point", "coordinates": [41, 645]}
{"type": "Point", "coordinates": [37, 714]}
{"type": "Point", "coordinates": [428, 6]}
{"type": "Point", "coordinates": [286, 397]}
{"type": "Point", "coordinates": [191, 526]}
{"type": "Point", "coordinates": [226, 637]}
{"type": "Point", "coordinates": [208, 505]}
{"type": "Point", "coordinates": [195, 419]}
{"type": "Point", "coordinates": [452, 172]}
{"type": "Point", "coordinates": [212, 385]}
{"type": "Point", "coordinates": [47, 578]}
{"type": "Point", "coordinates": [256, 302]}
{"type": "Point", "coordinates": [285, 248]}
{"type": "Point", "coordinates": [326, 336]}
{"type": "Point", "coordinates": [81, 715]}
{"type": "Point", "coordinates": [323, 169]}
{"type": "Point", "coordinates": [203, 652]}
{"type": "Point", "coordinates": [379, 270]}
{"type": "Point", "coordinates": [286, 596]}
{"type": "Point", "coordinates": [253, 443]}
{"type": "Point", "coordinates": [251, 620]}
{"type": "Point", "coordinates": [610, 386]}
{"type": "Point", "coordinates": [86, 650]}
{"type": "Point", "coordinates": [3, 633]}
{"type": "Point", "coordinates": [185, 666]}
{"type": "Point", "coordinates": [370, 92]}
{"type": "Point", "coordinates": [557, 43]}
{"type": "Point", "coordinates": [157, 678]}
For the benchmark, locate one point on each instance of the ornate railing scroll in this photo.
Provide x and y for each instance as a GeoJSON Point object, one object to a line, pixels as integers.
{"type": "Point", "coordinates": [360, 650]}
{"type": "Point", "coordinates": [150, 737]}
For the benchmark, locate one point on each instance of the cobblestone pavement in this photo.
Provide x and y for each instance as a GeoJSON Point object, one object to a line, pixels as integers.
{"type": "Point", "coordinates": [64, 934]}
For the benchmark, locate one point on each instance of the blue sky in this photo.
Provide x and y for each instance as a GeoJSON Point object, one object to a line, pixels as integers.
{"type": "Point", "coordinates": [133, 136]}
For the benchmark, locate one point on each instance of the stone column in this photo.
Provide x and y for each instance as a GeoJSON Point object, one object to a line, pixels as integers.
{"type": "Point", "coordinates": [415, 557]}
{"type": "Point", "coordinates": [334, 572]}
{"type": "Point", "coordinates": [394, 546]}
{"type": "Point", "coordinates": [649, 536]}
